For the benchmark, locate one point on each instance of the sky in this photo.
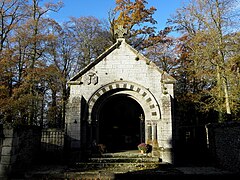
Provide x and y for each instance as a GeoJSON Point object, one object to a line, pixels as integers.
{"type": "Point", "coordinates": [100, 9]}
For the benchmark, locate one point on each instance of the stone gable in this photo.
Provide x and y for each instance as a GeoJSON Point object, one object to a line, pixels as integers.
{"type": "Point", "coordinates": [121, 71]}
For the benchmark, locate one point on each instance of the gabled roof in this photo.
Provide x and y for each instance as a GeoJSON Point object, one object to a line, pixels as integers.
{"type": "Point", "coordinates": [165, 77]}
{"type": "Point", "coordinates": [98, 59]}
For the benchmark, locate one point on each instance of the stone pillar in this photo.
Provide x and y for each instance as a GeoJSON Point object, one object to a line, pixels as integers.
{"type": "Point", "coordinates": [142, 129]}
{"type": "Point", "coordinates": [73, 115]}
{"type": "Point", "coordinates": [154, 135]}
{"type": "Point", "coordinates": [8, 154]}
{"type": "Point", "coordinates": [73, 129]}
{"type": "Point", "coordinates": [90, 135]}
{"type": "Point", "coordinates": [155, 148]}
{"type": "Point", "coordinates": [96, 133]}
{"type": "Point", "coordinates": [165, 136]}
{"type": "Point", "coordinates": [148, 133]}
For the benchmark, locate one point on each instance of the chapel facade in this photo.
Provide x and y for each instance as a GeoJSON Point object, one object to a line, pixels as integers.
{"type": "Point", "coordinates": [121, 100]}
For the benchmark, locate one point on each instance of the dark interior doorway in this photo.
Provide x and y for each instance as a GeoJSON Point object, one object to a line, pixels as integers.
{"type": "Point", "coordinates": [120, 125]}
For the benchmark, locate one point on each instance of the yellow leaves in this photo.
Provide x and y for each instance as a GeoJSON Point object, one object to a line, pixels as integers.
{"type": "Point", "coordinates": [133, 13]}
{"type": "Point", "coordinates": [4, 92]}
{"type": "Point", "coordinates": [122, 5]}
{"type": "Point", "coordinates": [11, 105]}
{"type": "Point", "coordinates": [138, 19]}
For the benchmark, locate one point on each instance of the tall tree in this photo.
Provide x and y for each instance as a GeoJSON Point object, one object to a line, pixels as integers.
{"type": "Point", "coordinates": [162, 52]}
{"type": "Point", "coordinates": [37, 39]}
{"type": "Point", "coordinates": [137, 19]}
{"type": "Point", "coordinates": [11, 13]}
{"type": "Point", "coordinates": [90, 36]}
{"type": "Point", "coordinates": [62, 57]}
{"type": "Point", "coordinates": [23, 50]}
{"type": "Point", "coordinates": [207, 27]}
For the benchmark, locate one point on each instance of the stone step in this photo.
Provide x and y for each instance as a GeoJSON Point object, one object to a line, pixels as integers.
{"type": "Point", "coordinates": [132, 154]}
{"type": "Point", "coordinates": [122, 165]}
{"type": "Point", "coordinates": [124, 159]}
{"type": "Point", "coordinates": [119, 162]}
{"type": "Point", "coordinates": [118, 168]}
{"type": "Point", "coordinates": [126, 164]}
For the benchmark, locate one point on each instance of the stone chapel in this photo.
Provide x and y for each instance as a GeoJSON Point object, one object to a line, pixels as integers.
{"type": "Point", "coordinates": [120, 100]}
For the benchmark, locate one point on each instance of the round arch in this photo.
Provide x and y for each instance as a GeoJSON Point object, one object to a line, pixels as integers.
{"type": "Point", "coordinates": [119, 122]}
{"type": "Point", "coordinates": [142, 95]}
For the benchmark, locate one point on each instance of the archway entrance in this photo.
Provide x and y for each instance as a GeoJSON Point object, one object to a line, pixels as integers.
{"type": "Point", "coordinates": [121, 123]}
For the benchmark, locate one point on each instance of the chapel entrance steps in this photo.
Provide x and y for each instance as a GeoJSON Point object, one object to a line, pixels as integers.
{"type": "Point", "coordinates": [120, 162]}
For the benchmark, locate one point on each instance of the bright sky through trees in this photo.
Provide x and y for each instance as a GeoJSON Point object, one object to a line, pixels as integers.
{"type": "Point", "coordinates": [100, 9]}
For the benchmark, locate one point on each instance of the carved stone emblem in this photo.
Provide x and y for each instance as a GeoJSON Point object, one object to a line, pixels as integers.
{"type": "Point", "coordinates": [90, 78]}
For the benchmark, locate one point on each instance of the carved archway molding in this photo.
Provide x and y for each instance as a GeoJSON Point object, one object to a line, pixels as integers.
{"type": "Point", "coordinates": [142, 95]}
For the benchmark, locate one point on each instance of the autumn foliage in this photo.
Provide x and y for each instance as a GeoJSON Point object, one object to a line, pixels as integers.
{"type": "Point", "coordinates": [38, 56]}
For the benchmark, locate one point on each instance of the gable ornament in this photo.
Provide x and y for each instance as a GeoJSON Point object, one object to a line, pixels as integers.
{"type": "Point", "coordinates": [121, 31]}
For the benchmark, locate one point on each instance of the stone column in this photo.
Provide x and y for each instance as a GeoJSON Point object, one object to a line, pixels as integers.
{"type": "Point", "coordinates": [142, 130]}
{"type": "Point", "coordinates": [154, 135]}
{"type": "Point", "coordinates": [90, 135]}
{"type": "Point", "coordinates": [96, 136]}
{"type": "Point", "coordinates": [148, 134]}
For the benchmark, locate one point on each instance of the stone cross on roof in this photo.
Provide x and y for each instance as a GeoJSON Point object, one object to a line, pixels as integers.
{"type": "Point", "coordinates": [121, 31]}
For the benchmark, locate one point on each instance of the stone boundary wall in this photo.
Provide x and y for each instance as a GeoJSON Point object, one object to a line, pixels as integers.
{"type": "Point", "coordinates": [20, 146]}
{"type": "Point", "coordinates": [224, 144]}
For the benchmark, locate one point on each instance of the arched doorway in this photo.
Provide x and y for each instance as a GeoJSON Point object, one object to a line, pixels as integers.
{"type": "Point", "coordinates": [121, 123]}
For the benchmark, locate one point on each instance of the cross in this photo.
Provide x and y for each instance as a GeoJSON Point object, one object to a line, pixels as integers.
{"type": "Point", "coordinates": [121, 31]}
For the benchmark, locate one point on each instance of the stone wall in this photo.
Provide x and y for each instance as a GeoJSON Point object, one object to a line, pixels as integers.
{"type": "Point", "coordinates": [224, 144]}
{"type": "Point", "coordinates": [19, 148]}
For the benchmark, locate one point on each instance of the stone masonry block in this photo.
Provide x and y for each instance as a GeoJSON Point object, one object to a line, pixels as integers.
{"type": "Point", "coordinates": [7, 142]}
{"type": "Point", "coordinates": [8, 132]}
{"type": "Point", "coordinates": [5, 170]}
{"type": "Point", "coordinates": [6, 151]}
{"type": "Point", "coordinates": [5, 159]}
{"type": "Point", "coordinates": [8, 159]}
